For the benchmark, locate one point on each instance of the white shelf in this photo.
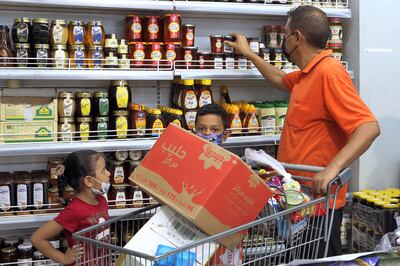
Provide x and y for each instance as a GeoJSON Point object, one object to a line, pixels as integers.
{"type": "Point", "coordinates": [249, 9]}
{"type": "Point", "coordinates": [93, 4]}
{"type": "Point", "coordinates": [53, 148]}
{"type": "Point", "coordinates": [84, 74]}
{"type": "Point", "coordinates": [36, 220]}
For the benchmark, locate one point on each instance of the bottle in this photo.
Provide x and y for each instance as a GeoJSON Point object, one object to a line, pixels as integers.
{"type": "Point", "coordinates": [251, 124]}
{"type": "Point", "coordinates": [188, 96]}
{"type": "Point", "coordinates": [5, 46]}
{"type": "Point", "coordinates": [177, 91]}
{"type": "Point", "coordinates": [234, 121]}
{"type": "Point", "coordinates": [155, 122]}
{"type": "Point", "coordinates": [137, 119]}
{"type": "Point", "coordinates": [204, 93]}
{"type": "Point", "coordinates": [225, 95]}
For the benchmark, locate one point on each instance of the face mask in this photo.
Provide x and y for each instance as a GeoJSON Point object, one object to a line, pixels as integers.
{"type": "Point", "coordinates": [104, 188]}
{"type": "Point", "coordinates": [214, 138]}
{"type": "Point", "coordinates": [285, 52]}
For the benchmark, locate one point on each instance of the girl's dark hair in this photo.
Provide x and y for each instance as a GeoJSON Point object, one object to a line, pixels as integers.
{"type": "Point", "coordinates": [80, 164]}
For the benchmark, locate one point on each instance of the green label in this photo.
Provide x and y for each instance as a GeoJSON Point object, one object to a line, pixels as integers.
{"type": "Point", "coordinates": [104, 107]}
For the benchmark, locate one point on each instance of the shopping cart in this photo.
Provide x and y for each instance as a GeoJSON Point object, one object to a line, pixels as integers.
{"type": "Point", "coordinates": [275, 237]}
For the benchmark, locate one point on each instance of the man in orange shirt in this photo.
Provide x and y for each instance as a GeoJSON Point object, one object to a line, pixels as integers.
{"type": "Point", "coordinates": [327, 123]}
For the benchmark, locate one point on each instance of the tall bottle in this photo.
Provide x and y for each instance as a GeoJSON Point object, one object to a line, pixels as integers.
{"type": "Point", "coordinates": [251, 123]}
{"type": "Point", "coordinates": [189, 102]}
{"type": "Point", "coordinates": [5, 46]}
{"type": "Point", "coordinates": [204, 93]}
{"type": "Point", "coordinates": [234, 121]}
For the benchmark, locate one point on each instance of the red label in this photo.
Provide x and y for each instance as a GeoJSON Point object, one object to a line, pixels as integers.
{"type": "Point", "coordinates": [173, 26]}
{"type": "Point", "coordinates": [156, 46]}
{"type": "Point", "coordinates": [138, 54]}
{"type": "Point", "coordinates": [189, 37]}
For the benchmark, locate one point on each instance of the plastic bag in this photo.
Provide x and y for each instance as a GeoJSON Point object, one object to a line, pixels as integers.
{"type": "Point", "coordinates": [390, 241]}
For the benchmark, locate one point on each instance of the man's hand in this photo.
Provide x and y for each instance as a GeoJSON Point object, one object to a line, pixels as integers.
{"type": "Point", "coordinates": [241, 45]}
{"type": "Point", "coordinates": [321, 180]}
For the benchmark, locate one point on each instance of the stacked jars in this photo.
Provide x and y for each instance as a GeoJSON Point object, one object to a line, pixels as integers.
{"type": "Point", "coordinates": [335, 41]}
{"type": "Point", "coordinates": [120, 98]}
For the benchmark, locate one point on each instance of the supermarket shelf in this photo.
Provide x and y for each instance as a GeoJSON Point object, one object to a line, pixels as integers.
{"type": "Point", "coordinates": [94, 5]}
{"type": "Point", "coordinates": [83, 74]}
{"type": "Point", "coordinates": [36, 220]}
{"type": "Point", "coordinates": [114, 145]}
{"type": "Point", "coordinates": [249, 9]}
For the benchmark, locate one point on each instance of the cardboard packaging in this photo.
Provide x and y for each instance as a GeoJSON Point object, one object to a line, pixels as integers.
{"type": "Point", "coordinates": [27, 108]}
{"type": "Point", "coordinates": [205, 183]}
{"type": "Point", "coordinates": [34, 131]}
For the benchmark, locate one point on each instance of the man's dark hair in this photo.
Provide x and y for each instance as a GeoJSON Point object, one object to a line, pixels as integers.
{"type": "Point", "coordinates": [312, 22]}
{"type": "Point", "coordinates": [213, 109]}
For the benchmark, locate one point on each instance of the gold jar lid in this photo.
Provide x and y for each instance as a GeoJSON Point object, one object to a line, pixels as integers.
{"type": "Point", "coordinates": [56, 161]}
{"type": "Point", "coordinates": [93, 22]}
{"type": "Point", "coordinates": [120, 113]}
{"type": "Point", "coordinates": [66, 95]}
{"type": "Point", "coordinates": [391, 206]}
{"type": "Point", "coordinates": [101, 119]}
{"type": "Point", "coordinates": [59, 47]}
{"type": "Point", "coordinates": [59, 21]}
{"type": "Point", "coordinates": [77, 46]}
{"type": "Point", "coordinates": [119, 83]}
{"type": "Point", "coordinates": [100, 94]}
{"type": "Point", "coordinates": [96, 47]}
{"type": "Point", "coordinates": [23, 19]}
{"type": "Point", "coordinates": [22, 46]}
{"type": "Point", "coordinates": [84, 95]}
{"type": "Point", "coordinates": [42, 46]}
{"type": "Point", "coordinates": [41, 20]}
{"type": "Point", "coordinates": [8, 250]}
{"type": "Point", "coordinates": [84, 119]}
{"type": "Point", "coordinates": [66, 120]}
{"type": "Point", "coordinates": [76, 22]}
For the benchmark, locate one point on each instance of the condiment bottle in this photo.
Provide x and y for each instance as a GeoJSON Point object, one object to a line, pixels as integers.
{"type": "Point", "coordinates": [120, 123]}
{"type": "Point", "coordinates": [5, 46]}
{"type": "Point", "coordinates": [137, 119]}
{"type": "Point", "coordinates": [234, 121]}
{"type": "Point", "coordinates": [120, 95]}
{"type": "Point", "coordinates": [188, 98]}
{"type": "Point", "coordinates": [204, 93]}
{"type": "Point", "coordinates": [155, 122]}
{"type": "Point", "coordinates": [251, 124]}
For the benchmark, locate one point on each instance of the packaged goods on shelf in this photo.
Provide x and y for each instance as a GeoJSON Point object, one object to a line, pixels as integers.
{"type": "Point", "coordinates": [28, 131]}
{"type": "Point", "coordinates": [27, 108]}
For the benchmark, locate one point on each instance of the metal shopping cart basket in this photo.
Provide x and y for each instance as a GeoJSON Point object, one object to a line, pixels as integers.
{"type": "Point", "coordinates": [275, 237]}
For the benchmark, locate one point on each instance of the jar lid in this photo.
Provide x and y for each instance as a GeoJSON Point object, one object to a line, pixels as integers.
{"type": "Point", "coordinates": [41, 20]}
{"type": "Point", "coordinates": [120, 113]}
{"type": "Point", "coordinates": [76, 22]}
{"type": "Point", "coordinates": [68, 188]}
{"type": "Point", "coordinates": [156, 111]}
{"type": "Point", "coordinates": [42, 46]}
{"type": "Point", "coordinates": [77, 46]}
{"type": "Point", "coordinates": [56, 161]}
{"type": "Point", "coordinates": [93, 22]}
{"type": "Point", "coordinates": [100, 94]}
{"type": "Point", "coordinates": [23, 19]}
{"type": "Point", "coordinates": [53, 190]}
{"type": "Point", "coordinates": [228, 37]}
{"type": "Point", "coordinates": [187, 25]}
{"type": "Point", "coordinates": [178, 112]}
{"type": "Point", "coordinates": [136, 107]}
{"type": "Point", "coordinates": [8, 250]}
{"type": "Point", "coordinates": [22, 45]}
{"type": "Point", "coordinates": [391, 206]}
{"type": "Point", "coordinates": [188, 82]}
{"type": "Point", "coordinates": [67, 120]}
{"type": "Point", "coordinates": [58, 21]}
{"type": "Point", "coordinates": [101, 119]}
{"type": "Point", "coordinates": [65, 94]}
{"type": "Point", "coordinates": [96, 47]}
{"type": "Point", "coordinates": [335, 20]}
{"type": "Point", "coordinates": [59, 47]}
{"type": "Point", "coordinates": [119, 83]}
{"type": "Point", "coordinates": [172, 14]}
{"type": "Point", "coordinates": [84, 119]}
{"type": "Point", "coordinates": [278, 51]}
{"type": "Point", "coordinates": [135, 155]}
{"type": "Point", "coordinates": [206, 82]}
{"type": "Point", "coordinates": [120, 186]}
{"type": "Point", "coordinates": [216, 36]}
{"type": "Point", "coordinates": [84, 95]}
{"type": "Point", "coordinates": [25, 246]}
{"type": "Point", "coordinates": [11, 241]}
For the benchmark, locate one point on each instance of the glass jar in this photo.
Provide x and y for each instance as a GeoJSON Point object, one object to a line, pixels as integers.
{"type": "Point", "coordinates": [7, 193]}
{"type": "Point", "coordinates": [66, 104]}
{"type": "Point", "coordinates": [101, 105]}
{"type": "Point", "coordinates": [59, 54]}
{"type": "Point", "coordinates": [271, 33]}
{"type": "Point", "coordinates": [40, 31]}
{"type": "Point", "coordinates": [124, 62]}
{"type": "Point", "coordinates": [266, 54]}
{"type": "Point", "coordinates": [83, 104]}
{"type": "Point", "coordinates": [204, 59]}
{"type": "Point", "coordinates": [336, 51]}
{"type": "Point", "coordinates": [135, 155]}
{"type": "Point", "coordinates": [135, 195]}
{"type": "Point", "coordinates": [59, 32]}
{"type": "Point", "coordinates": [95, 34]}
{"type": "Point", "coordinates": [25, 254]}
{"type": "Point", "coordinates": [77, 55]}
{"type": "Point", "coordinates": [5, 47]}
{"type": "Point", "coordinates": [121, 155]}
{"type": "Point", "coordinates": [22, 52]}
{"type": "Point", "coordinates": [187, 54]}
{"type": "Point", "coordinates": [9, 254]}
{"type": "Point", "coordinates": [101, 126]}
{"type": "Point", "coordinates": [137, 120]}
{"type": "Point", "coordinates": [119, 95]}
{"type": "Point", "coordinates": [120, 123]}
{"type": "Point", "coordinates": [66, 127]}
{"type": "Point", "coordinates": [111, 61]}
{"type": "Point", "coordinates": [254, 44]}
{"type": "Point", "coordinates": [11, 241]}
{"type": "Point", "coordinates": [218, 61]}
{"type": "Point", "coordinates": [84, 126]}
{"type": "Point", "coordinates": [336, 29]}
{"type": "Point", "coordinates": [55, 168]}
{"type": "Point", "coordinates": [188, 35]}
{"type": "Point", "coordinates": [155, 122]}
{"type": "Point", "coordinates": [118, 196]}
{"type": "Point", "coordinates": [76, 33]}
{"type": "Point", "coordinates": [170, 53]}
{"type": "Point", "coordinates": [153, 52]}
{"type": "Point", "coordinates": [122, 48]}
{"type": "Point", "coordinates": [217, 43]}
{"type": "Point", "coordinates": [172, 28]}
{"type": "Point", "coordinates": [278, 58]}
{"type": "Point", "coordinates": [152, 26]}
{"type": "Point", "coordinates": [22, 30]}
{"type": "Point", "coordinates": [227, 48]}
{"type": "Point", "coordinates": [133, 28]}
{"type": "Point", "coordinates": [137, 54]}
{"type": "Point", "coordinates": [111, 45]}
{"type": "Point", "coordinates": [23, 184]}
{"type": "Point", "coordinates": [54, 198]}
{"type": "Point", "coordinates": [95, 57]}
{"type": "Point", "coordinates": [241, 62]}
{"type": "Point", "coordinates": [37, 256]}
{"type": "Point", "coordinates": [229, 61]}
{"type": "Point", "coordinates": [40, 186]}
{"type": "Point", "coordinates": [117, 171]}
{"type": "Point", "coordinates": [132, 166]}
{"type": "Point", "coordinates": [41, 53]}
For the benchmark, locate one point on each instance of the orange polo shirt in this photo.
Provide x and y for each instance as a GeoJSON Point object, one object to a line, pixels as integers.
{"type": "Point", "coordinates": [324, 110]}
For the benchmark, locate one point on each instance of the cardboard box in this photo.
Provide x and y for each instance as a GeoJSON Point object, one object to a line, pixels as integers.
{"type": "Point", "coordinates": [27, 108]}
{"type": "Point", "coordinates": [205, 183]}
{"type": "Point", "coordinates": [34, 131]}
{"type": "Point", "coordinates": [169, 230]}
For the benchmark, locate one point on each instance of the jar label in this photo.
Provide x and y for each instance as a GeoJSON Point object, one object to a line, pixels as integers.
{"type": "Point", "coordinates": [153, 30]}
{"type": "Point", "coordinates": [242, 64]}
{"type": "Point", "coordinates": [156, 55]}
{"type": "Point", "coordinates": [337, 56]}
{"type": "Point", "coordinates": [190, 101]}
{"type": "Point", "coordinates": [78, 57]}
{"type": "Point", "coordinates": [137, 196]}
{"type": "Point", "coordinates": [85, 107]}
{"type": "Point", "coordinates": [97, 58]}
{"type": "Point", "coordinates": [253, 122]}
{"type": "Point", "coordinates": [190, 118]}
{"type": "Point", "coordinates": [228, 49]}
{"type": "Point", "coordinates": [57, 33]}
{"type": "Point", "coordinates": [189, 37]}
{"type": "Point", "coordinates": [236, 124]}
{"type": "Point", "coordinates": [22, 53]}
{"type": "Point", "coordinates": [137, 30]}
{"type": "Point", "coordinates": [23, 32]}
{"type": "Point", "coordinates": [84, 131]}
{"type": "Point", "coordinates": [205, 98]}
{"type": "Point", "coordinates": [59, 58]}
{"type": "Point", "coordinates": [139, 55]}
{"type": "Point", "coordinates": [66, 132]}
{"type": "Point", "coordinates": [5, 198]}
{"type": "Point", "coordinates": [141, 124]}
{"type": "Point", "coordinates": [177, 123]}
{"type": "Point", "coordinates": [103, 106]}
{"type": "Point", "coordinates": [40, 55]}
{"type": "Point", "coordinates": [68, 104]}
{"type": "Point", "coordinates": [122, 127]}
{"type": "Point", "coordinates": [218, 63]}
{"type": "Point", "coordinates": [188, 55]}
{"type": "Point", "coordinates": [124, 63]}
{"type": "Point", "coordinates": [268, 124]}
{"type": "Point", "coordinates": [157, 125]}
{"type": "Point", "coordinates": [102, 128]}
{"type": "Point", "coordinates": [336, 34]}
{"type": "Point", "coordinates": [22, 196]}
{"type": "Point", "coordinates": [120, 199]}
{"type": "Point", "coordinates": [97, 34]}
{"type": "Point", "coordinates": [78, 34]}
{"type": "Point", "coordinates": [174, 29]}
{"type": "Point", "coordinates": [218, 45]}
{"type": "Point", "coordinates": [170, 55]}
{"type": "Point", "coordinates": [230, 63]}
{"type": "Point", "coordinates": [122, 97]}
{"type": "Point", "coordinates": [119, 175]}
{"type": "Point", "coordinates": [273, 41]}
{"type": "Point", "coordinates": [38, 195]}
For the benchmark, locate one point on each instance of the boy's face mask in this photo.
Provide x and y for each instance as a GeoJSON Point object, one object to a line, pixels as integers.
{"type": "Point", "coordinates": [214, 138]}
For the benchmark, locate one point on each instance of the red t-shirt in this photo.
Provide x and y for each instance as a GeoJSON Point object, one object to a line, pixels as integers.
{"type": "Point", "coordinates": [79, 215]}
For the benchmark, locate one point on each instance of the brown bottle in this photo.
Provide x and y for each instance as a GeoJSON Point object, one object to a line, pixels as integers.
{"type": "Point", "coordinates": [138, 119]}
{"type": "Point", "coordinates": [251, 124]}
{"type": "Point", "coordinates": [204, 93]}
{"type": "Point", "coordinates": [5, 46]}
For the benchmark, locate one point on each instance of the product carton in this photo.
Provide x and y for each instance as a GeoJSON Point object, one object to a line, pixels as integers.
{"type": "Point", "coordinates": [34, 131]}
{"type": "Point", "coordinates": [27, 108]}
{"type": "Point", "coordinates": [205, 183]}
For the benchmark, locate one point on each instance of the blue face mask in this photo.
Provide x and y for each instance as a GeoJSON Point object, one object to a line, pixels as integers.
{"type": "Point", "coordinates": [214, 138]}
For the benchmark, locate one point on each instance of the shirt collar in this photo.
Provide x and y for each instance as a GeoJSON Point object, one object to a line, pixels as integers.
{"type": "Point", "coordinates": [316, 60]}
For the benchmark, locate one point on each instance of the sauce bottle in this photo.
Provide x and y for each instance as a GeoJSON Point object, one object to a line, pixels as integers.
{"type": "Point", "coordinates": [234, 120]}
{"type": "Point", "coordinates": [177, 94]}
{"type": "Point", "coordinates": [137, 119]}
{"type": "Point", "coordinates": [225, 95]}
{"type": "Point", "coordinates": [176, 117]}
{"type": "Point", "coordinates": [251, 123]}
{"type": "Point", "coordinates": [188, 95]}
{"type": "Point", "coordinates": [204, 93]}
{"type": "Point", "coordinates": [155, 122]}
